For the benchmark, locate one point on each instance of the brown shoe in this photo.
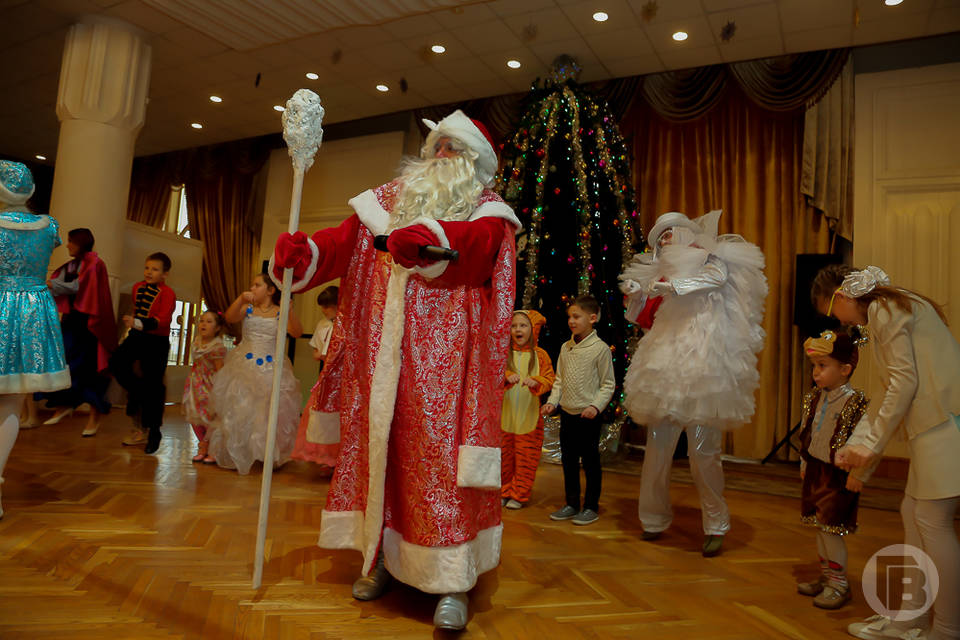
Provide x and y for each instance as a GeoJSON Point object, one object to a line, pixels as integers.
{"type": "Point", "coordinates": [811, 588]}
{"type": "Point", "coordinates": [832, 597]}
{"type": "Point", "coordinates": [135, 437]}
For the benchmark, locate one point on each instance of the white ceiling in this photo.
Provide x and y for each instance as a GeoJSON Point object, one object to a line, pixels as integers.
{"type": "Point", "coordinates": [204, 47]}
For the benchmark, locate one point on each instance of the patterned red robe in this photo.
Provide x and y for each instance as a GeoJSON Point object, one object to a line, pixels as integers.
{"type": "Point", "coordinates": [424, 353]}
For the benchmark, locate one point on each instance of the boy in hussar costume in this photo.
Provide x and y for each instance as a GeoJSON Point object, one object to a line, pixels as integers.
{"type": "Point", "coordinates": [696, 369]}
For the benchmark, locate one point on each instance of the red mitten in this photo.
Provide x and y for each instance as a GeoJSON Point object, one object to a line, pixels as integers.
{"type": "Point", "coordinates": [404, 245]}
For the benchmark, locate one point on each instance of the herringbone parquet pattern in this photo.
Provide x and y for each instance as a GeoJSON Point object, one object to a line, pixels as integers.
{"type": "Point", "coordinates": [100, 541]}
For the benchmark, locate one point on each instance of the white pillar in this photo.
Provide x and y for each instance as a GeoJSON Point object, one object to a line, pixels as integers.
{"type": "Point", "coordinates": [101, 104]}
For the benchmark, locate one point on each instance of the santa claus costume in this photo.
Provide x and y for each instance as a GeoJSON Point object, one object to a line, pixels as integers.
{"type": "Point", "coordinates": [417, 484]}
{"type": "Point", "coordinates": [696, 369]}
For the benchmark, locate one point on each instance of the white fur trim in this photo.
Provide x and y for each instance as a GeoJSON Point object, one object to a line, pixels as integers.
{"type": "Point", "coordinates": [42, 223]}
{"type": "Point", "coordinates": [452, 569]}
{"type": "Point", "coordinates": [373, 216]}
{"type": "Point", "coordinates": [341, 530]}
{"type": "Point", "coordinates": [311, 271]}
{"type": "Point", "coordinates": [383, 400]}
{"type": "Point", "coordinates": [436, 269]}
{"type": "Point", "coordinates": [323, 427]}
{"type": "Point", "coordinates": [495, 209]}
{"type": "Point", "coordinates": [478, 467]}
{"type": "Point", "coordinates": [15, 199]}
{"type": "Point", "coordinates": [31, 382]}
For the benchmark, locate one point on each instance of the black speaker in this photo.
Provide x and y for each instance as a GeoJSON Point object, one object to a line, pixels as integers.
{"type": "Point", "coordinates": [805, 316]}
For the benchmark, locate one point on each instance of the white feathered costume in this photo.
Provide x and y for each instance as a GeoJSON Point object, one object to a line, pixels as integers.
{"type": "Point", "coordinates": [698, 363]}
{"type": "Point", "coordinates": [696, 368]}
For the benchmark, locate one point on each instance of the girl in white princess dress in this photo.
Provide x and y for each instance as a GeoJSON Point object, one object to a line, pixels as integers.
{"type": "Point", "coordinates": [241, 389]}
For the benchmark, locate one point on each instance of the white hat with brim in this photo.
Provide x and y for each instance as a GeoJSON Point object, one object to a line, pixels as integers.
{"type": "Point", "coordinates": [457, 125]}
{"type": "Point", "coordinates": [668, 221]}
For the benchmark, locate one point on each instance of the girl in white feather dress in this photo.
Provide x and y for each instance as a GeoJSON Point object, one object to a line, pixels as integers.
{"type": "Point", "coordinates": [696, 369]}
{"type": "Point", "coordinates": [241, 389]}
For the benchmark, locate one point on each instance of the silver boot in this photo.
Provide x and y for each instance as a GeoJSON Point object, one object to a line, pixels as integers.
{"type": "Point", "coordinates": [451, 612]}
{"type": "Point", "coordinates": [372, 586]}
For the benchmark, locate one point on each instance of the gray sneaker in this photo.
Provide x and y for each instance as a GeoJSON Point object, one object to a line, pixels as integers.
{"type": "Point", "coordinates": [563, 514]}
{"type": "Point", "coordinates": [585, 517]}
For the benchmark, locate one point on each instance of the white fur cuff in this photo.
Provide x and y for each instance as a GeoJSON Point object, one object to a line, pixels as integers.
{"type": "Point", "coordinates": [478, 467]}
{"type": "Point", "coordinates": [307, 276]}
{"type": "Point", "coordinates": [323, 428]}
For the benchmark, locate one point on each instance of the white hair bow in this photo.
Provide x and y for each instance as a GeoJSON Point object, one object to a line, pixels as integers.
{"type": "Point", "coordinates": [859, 283]}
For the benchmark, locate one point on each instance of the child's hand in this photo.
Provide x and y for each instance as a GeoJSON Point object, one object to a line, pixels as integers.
{"type": "Point", "coordinates": [530, 382]}
{"type": "Point", "coordinates": [854, 485]}
{"type": "Point", "coordinates": [247, 297]}
{"type": "Point", "coordinates": [589, 413]}
{"type": "Point", "coordinates": [513, 378]}
{"type": "Point", "coordinates": [547, 409]}
{"type": "Point", "coordinates": [128, 322]}
{"type": "Point", "coordinates": [854, 455]}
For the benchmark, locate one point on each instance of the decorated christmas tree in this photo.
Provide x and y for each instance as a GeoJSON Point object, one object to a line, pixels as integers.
{"type": "Point", "coordinates": [566, 173]}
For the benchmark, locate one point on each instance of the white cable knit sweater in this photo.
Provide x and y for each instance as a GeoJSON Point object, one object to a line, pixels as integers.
{"type": "Point", "coordinates": [584, 375]}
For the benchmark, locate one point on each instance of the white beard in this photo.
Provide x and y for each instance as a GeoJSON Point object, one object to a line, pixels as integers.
{"type": "Point", "coordinates": [436, 188]}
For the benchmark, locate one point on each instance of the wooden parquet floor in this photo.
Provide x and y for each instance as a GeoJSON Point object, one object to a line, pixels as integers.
{"type": "Point", "coordinates": [101, 541]}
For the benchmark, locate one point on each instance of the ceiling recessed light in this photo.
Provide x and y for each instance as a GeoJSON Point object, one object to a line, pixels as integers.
{"type": "Point", "coordinates": [438, 48]}
{"type": "Point", "coordinates": [382, 88]}
{"type": "Point", "coordinates": [892, 3]}
{"type": "Point", "coordinates": [40, 157]}
{"type": "Point", "coordinates": [680, 36]}
{"type": "Point", "coordinates": [312, 76]}
{"type": "Point", "coordinates": [513, 64]}
{"type": "Point", "coordinates": [196, 125]}
{"type": "Point", "coordinates": [278, 107]}
{"type": "Point", "coordinates": [600, 16]}
{"type": "Point", "coordinates": [216, 99]}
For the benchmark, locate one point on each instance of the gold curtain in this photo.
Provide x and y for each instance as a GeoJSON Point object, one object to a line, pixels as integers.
{"type": "Point", "coordinates": [152, 179]}
{"type": "Point", "coordinates": [746, 161]}
{"type": "Point", "coordinates": [224, 186]}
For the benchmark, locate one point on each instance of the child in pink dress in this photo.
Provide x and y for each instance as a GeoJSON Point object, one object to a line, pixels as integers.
{"type": "Point", "coordinates": [207, 353]}
{"type": "Point", "coordinates": [318, 437]}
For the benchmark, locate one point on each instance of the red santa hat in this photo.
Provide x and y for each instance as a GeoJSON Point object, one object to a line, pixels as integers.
{"type": "Point", "coordinates": [473, 134]}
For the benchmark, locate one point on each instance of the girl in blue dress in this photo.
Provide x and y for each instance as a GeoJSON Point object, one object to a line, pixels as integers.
{"type": "Point", "coordinates": [31, 345]}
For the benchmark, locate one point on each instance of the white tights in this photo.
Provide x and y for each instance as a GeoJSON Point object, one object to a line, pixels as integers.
{"type": "Point", "coordinates": [928, 525]}
{"type": "Point", "coordinates": [832, 548]}
{"type": "Point", "coordinates": [10, 405]}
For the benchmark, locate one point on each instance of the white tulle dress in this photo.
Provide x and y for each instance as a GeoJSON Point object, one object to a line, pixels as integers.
{"type": "Point", "coordinates": [241, 400]}
{"type": "Point", "coordinates": [698, 363]}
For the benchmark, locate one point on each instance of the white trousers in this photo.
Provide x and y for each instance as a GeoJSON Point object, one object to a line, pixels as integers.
{"type": "Point", "coordinates": [704, 446]}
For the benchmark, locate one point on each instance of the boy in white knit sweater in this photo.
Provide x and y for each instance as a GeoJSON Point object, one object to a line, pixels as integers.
{"type": "Point", "coordinates": [583, 387]}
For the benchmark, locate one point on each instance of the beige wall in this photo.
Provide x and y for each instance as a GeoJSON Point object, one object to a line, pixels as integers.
{"type": "Point", "coordinates": [341, 170]}
{"type": "Point", "coordinates": [907, 189]}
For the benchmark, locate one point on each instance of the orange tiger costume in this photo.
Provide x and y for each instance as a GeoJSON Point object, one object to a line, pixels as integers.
{"type": "Point", "coordinates": [522, 425]}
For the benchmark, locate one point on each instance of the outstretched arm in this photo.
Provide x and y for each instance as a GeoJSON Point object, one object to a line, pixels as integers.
{"type": "Point", "coordinates": [317, 259]}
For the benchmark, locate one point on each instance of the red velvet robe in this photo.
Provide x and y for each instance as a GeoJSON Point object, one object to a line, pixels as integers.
{"type": "Point", "coordinates": [424, 353]}
{"type": "Point", "coordinates": [93, 299]}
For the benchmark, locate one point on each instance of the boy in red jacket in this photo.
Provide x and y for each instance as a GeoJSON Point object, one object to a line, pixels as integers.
{"type": "Point", "coordinates": [147, 343]}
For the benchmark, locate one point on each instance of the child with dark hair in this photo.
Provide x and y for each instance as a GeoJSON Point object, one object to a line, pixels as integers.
{"type": "Point", "coordinates": [318, 437]}
{"type": "Point", "coordinates": [81, 289]}
{"type": "Point", "coordinates": [240, 398]}
{"type": "Point", "coordinates": [147, 343]}
{"type": "Point", "coordinates": [207, 353]}
{"type": "Point", "coordinates": [830, 495]}
{"type": "Point", "coordinates": [583, 386]}
{"type": "Point", "coordinates": [918, 361]}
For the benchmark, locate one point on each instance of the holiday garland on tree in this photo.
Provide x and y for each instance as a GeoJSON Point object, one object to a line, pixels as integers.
{"type": "Point", "coordinates": [566, 173]}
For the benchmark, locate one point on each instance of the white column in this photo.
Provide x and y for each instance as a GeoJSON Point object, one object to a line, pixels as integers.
{"type": "Point", "coordinates": [101, 104]}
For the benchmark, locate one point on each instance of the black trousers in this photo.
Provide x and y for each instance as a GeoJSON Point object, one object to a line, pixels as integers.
{"type": "Point", "coordinates": [580, 440]}
{"type": "Point", "coordinates": [146, 392]}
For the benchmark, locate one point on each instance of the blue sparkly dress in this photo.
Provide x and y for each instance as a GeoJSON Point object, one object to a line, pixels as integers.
{"type": "Point", "coordinates": [31, 344]}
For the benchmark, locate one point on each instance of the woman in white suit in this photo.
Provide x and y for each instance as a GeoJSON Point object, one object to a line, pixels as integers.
{"type": "Point", "coordinates": [918, 361]}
